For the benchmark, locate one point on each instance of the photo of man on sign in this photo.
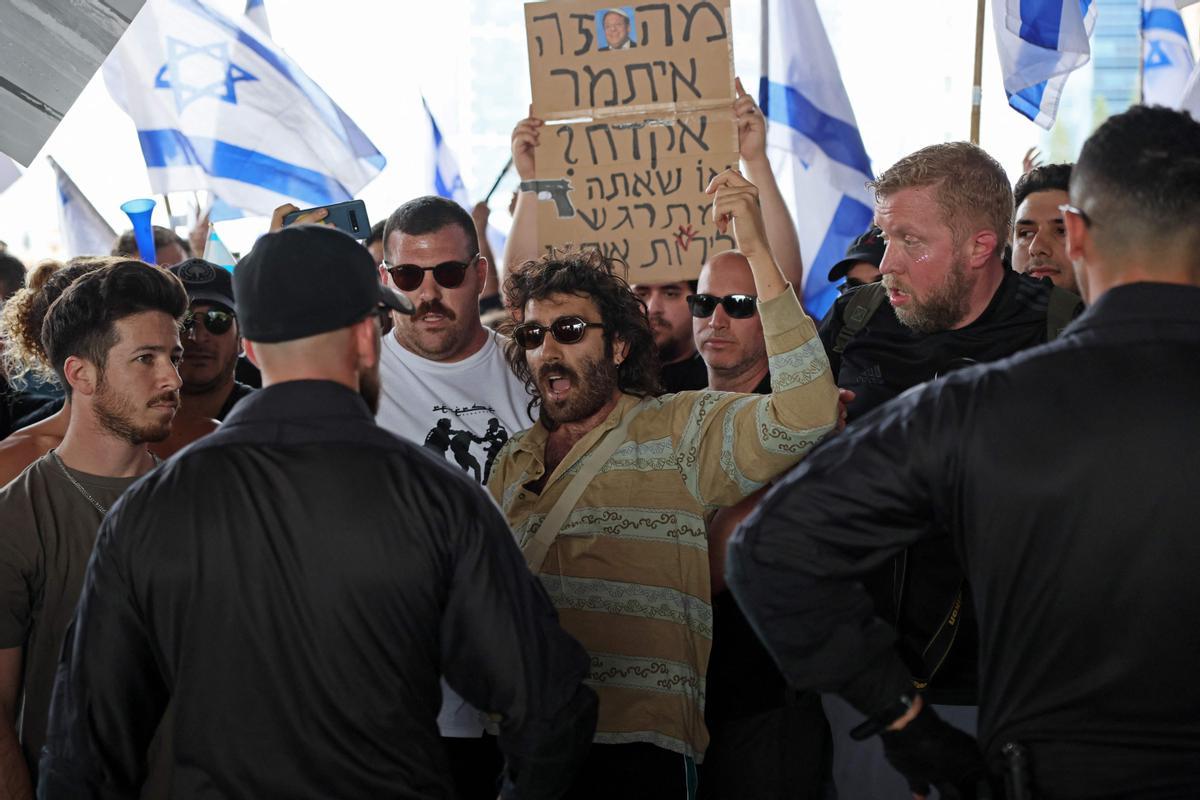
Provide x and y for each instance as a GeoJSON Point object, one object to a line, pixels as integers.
{"type": "Point", "coordinates": [614, 28]}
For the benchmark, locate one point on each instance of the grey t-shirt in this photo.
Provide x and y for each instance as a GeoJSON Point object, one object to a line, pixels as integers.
{"type": "Point", "coordinates": [47, 530]}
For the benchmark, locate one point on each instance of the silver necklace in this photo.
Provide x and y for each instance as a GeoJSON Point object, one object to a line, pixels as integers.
{"type": "Point", "coordinates": [77, 484]}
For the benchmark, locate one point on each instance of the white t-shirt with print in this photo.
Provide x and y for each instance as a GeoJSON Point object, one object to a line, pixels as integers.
{"type": "Point", "coordinates": [465, 410]}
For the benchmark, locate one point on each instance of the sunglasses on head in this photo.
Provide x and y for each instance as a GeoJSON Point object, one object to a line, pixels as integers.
{"type": "Point", "coordinates": [565, 330]}
{"type": "Point", "coordinates": [216, 322]}
{"type": "Point", "coordinates": [738, 306]}
{"type": "Point", "coordinates": [448, 274]}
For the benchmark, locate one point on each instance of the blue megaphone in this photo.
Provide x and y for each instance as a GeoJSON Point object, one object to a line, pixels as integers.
{"type": "Point", "coordinates": [139, 214]}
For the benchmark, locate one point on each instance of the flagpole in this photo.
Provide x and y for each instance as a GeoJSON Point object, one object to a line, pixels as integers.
{"type": "Point", "coordinates": [977, 85]}
{"type": "Point", "coordinates": [499, 178]}
{"type": "Point", "coordinates": [170, 216]}
{"type": "Point", "coordinates": [1141, 58]}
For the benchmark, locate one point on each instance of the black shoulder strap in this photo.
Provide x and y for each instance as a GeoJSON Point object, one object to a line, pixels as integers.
{"type": "Point", "coordinates": [859, 309]}
{"type": "Point", "coordinates": [1064, 306]}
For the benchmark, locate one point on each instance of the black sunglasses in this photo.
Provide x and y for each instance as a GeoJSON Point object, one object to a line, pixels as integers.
{"type": "Point", "coordinates": [448, 274]}
{"type": "Point", "coordinates": [565, 330]}
{"type": "Point", "coordinates": [738, 306]}
{"type": "Point", "coordinates": [217, 322]}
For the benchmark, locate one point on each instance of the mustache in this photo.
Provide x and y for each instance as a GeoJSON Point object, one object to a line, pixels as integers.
{"type": "Point", "coordinates": [434, 307]}
{"type": "Point", "coordinates": [165, 398]}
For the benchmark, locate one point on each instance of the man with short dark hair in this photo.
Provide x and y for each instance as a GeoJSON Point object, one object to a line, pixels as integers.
{"type": "Point", "coordinates": [1077, 531]}
{"type": "Point", "coordinates": [1039, 235]}
{"type": "Point", "coordinates": [169, 247]}
{"type": "Point", "coordinates": [441, 370]}
{"type": "Point", "coordinates": [113, 339]}
{"type": "Point", "coordinates": [667, 307]}
{"type": "Point", "coordinates": [608, 492]}
{"type": "Point", "coordinates": [945, 301]}
{"type": "Point", "coordinates": [298, 625]}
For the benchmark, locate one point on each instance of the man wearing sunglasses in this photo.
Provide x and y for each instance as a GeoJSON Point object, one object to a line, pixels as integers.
{"type": "Point", "coordinates": [294, 585]}
{"type": "Point", "coordinates": [681, 365]}
{"type": "Point", "coordinates": [627, 565]}
{"type": "Point", "coordinates": [442, 371]}
{"type": "Point", "coordinates": [211, 342]}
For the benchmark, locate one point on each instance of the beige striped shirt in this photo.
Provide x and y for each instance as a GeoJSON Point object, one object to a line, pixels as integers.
{"type": "Point", "coordinates": [628, 572]}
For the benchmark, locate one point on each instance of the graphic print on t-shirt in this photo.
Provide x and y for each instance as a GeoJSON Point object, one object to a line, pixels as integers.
{"type": "Point", "coordinates": [456, 443]}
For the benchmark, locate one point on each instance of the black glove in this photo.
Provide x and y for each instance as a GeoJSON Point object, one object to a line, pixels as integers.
{"type": "Point", "coordinates": [929, 751]}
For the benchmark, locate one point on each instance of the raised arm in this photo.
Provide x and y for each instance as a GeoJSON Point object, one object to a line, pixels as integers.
{"type": "Point", "coordinates": [752, 147]}
{"type": "Point", "coordinates": [504, 651]}
{"type": "Point", "coordinates": [731, 445]}
{"type": "Point", "coordinates": [522, 239]}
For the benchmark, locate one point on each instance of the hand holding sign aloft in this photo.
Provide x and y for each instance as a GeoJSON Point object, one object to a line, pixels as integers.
{"type": "Point", "coordinates": [524, 142]}
{"type": "Point", "coordinates": [736, 210]}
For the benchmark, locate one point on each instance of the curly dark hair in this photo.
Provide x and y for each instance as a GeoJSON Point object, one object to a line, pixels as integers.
{"type": "Point", "coordinates": [586, 273]}
{"type": "Point", "coordinates": [24, 357]}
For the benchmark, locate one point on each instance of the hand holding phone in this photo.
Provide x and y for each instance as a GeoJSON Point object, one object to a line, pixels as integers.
{"type": "Point", "coordinates": [349, 217]}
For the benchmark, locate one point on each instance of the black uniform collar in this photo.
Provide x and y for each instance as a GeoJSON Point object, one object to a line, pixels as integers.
{"type": "Point", "coordinates": [300, 400]}
{"type": "Point", "coordinates": [1142, 302]}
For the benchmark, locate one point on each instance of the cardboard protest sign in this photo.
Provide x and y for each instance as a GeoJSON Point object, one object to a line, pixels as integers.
{"type": "Point", "coordinates": [638, 103]}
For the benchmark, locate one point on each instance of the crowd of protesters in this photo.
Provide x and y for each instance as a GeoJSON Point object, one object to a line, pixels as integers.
{"type": "Point", "coordinates": [310, 528]}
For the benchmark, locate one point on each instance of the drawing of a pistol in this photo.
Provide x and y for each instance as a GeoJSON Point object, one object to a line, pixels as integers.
{"type": "Point", "coordinates": [558, 191]}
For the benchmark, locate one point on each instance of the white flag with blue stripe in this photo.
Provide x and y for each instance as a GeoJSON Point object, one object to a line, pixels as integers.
{"type": "Point", "coordinates": [219, 107]}
{"type": "Point", "coordinates": [1166, 54]}
{"type": "Point", "coordinates": [816, 149]}
{"type": "Point", "coordinates": [1040, 43]}
{"type": "Point", "coordinates": [84, 231]}
{"type": "Point", "coordinates": [446, 179]}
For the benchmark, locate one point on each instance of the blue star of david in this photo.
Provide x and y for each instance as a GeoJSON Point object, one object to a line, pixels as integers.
{"type": "Point", "coordinates": [1157, 57]}
{"type": "Point", "coordinates": [170, 75]}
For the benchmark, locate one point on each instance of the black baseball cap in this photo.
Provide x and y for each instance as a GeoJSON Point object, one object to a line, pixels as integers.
{"type": "Point", "coordinates": [868, 247]}
{"type": "Point", "coordinates": [305, 280]}
{"type": "Point", "coordinates": [204, 280]}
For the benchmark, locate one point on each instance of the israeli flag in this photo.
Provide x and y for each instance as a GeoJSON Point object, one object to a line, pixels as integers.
{"type": "Point", "coordinates": [446, 179]}
{"type": "Point", "coordinates": [219, 107]}
{"type": "Point", "coordinates": [817, 152]}
{"type": "Point", "coordinates": [1166, 54]}
{"type": "Point", "coordinates": [1041, 42]}
{"type": "Point", "coordinates": [256, 11]}
{"type": "Point", "coordinates": [84, 231]}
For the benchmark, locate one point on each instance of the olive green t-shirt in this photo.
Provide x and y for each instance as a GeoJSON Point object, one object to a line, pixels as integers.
{"type": "Point", "coordinates": [47, 530]}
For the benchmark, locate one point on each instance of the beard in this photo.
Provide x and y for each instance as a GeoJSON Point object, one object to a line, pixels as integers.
{"type": "Point", "coordinates": [945, 306]}
{"type": "Point", "coordinates": [369, 386]}
{"type": "Point", "coordinates": [586, 397]}
{"type": "Point", "coordinates": [116, 413]}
